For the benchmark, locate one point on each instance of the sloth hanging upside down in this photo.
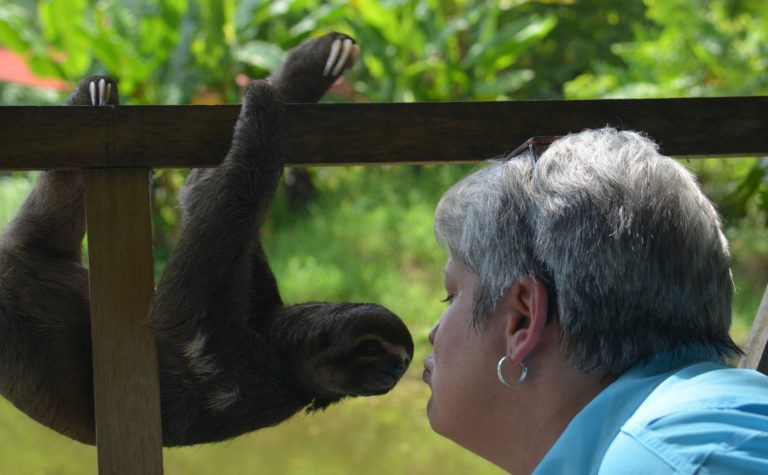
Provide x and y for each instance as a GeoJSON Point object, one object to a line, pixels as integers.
{"type": "Point", "coordinates": [232, 357]}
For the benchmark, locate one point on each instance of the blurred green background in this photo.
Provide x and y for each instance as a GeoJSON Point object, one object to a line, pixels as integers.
{"type": "Point", "coordinates": [365, 233]}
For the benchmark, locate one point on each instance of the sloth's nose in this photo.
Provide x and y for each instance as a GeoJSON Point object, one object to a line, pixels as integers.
{"type": "Point", "coordinates": [399, 367]}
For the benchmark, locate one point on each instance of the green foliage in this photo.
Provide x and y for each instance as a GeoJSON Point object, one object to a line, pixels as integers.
{"type": "Point", "coordinates": [442, 50]}
{"type": "Point", "coordinates": [698, 48]}
{"type": "Point", "coordinates": [168, 51]}
{"type": "Point", "coordinates": [16, 94]}
{"type": "Point", "coordinates": [383, 436]}
{"type": "Point", "coordinates": [389, 253]}
{"type": "Point", "coordinates": [584, 36]}
{"type": "Point", "coordinates": [686, 49]}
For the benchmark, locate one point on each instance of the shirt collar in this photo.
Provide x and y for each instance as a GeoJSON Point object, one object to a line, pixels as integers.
{"type": "Point", "coordinates": [583, 443]}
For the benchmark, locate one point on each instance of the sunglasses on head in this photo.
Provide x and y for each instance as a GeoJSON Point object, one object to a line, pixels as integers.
{"type": "Point", "coordinates": [536, 146]}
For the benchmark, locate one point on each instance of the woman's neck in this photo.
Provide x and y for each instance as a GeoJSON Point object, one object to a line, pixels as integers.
{"type": "Point", "coordinates": [547, 402]}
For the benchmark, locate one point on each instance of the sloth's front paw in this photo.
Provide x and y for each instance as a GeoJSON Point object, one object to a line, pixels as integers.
{"type": "Point", "coordinates": [95, 91]}
{"type": "Point", "coordinates": [314, 66]}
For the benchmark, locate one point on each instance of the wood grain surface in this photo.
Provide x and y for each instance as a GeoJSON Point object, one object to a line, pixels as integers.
{"type": "Point", "coordinates": [126, 386]}
{"type": "Point", "coordinates": [346, 134]}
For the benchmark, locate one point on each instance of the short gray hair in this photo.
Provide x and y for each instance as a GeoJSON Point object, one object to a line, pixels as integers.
{"type": "Point", "coordinates": [624, 236]}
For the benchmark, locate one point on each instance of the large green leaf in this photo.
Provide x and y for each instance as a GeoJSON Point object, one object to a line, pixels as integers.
{"type": "Point", "coordinates": [261, 54]}
{"type": "Point", "coordinates": [13, 21]}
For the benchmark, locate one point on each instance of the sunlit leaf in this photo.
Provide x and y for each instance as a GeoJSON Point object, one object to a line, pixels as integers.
{"type": "Point", "coordinates": [513, 39]}
{"type": "Point", "coordinates": [44, 67]}
{"type": "Point", "coordinates": [260, 54]}
{"type": "Point", "coordinates": [376, 15]}
{"type": "Point", "coordinates": [12, 21]}
{"type": "Point", "coordinates": [505, 84]}
{"type": "Point", "coordinates": [322, 15]}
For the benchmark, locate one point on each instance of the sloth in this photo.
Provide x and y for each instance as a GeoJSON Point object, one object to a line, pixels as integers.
{"type": "Point", "coordinates": [232, 356]}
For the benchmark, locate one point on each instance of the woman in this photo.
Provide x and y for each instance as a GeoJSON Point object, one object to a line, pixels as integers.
{"type": "Point", "coordinates": [589, 297]}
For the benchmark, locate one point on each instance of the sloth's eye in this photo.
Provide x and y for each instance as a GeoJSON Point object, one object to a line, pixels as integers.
{"type": "Point", "coordinates": [370, 348]}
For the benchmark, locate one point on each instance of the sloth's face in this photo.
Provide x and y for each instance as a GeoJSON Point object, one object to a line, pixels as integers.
{"type": "Point", "coordinates": [370, 365]}
{"type": "Point", "coordinates": [351, 350]}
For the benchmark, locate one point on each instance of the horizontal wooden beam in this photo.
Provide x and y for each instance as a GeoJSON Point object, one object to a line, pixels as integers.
{"type": "Point", "coordinates": [346, 134]}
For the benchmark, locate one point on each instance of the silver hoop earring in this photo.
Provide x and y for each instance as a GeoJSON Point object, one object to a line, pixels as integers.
{"type": "Point", "coordinates": [500, 374]}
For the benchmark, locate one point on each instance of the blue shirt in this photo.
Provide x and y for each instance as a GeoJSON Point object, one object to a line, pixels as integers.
{"type": "Point", "coordinates": [682, 412]}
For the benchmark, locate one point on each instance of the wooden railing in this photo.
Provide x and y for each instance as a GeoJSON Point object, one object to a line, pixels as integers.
{"type": "Point", "coordinates": [117, 147]}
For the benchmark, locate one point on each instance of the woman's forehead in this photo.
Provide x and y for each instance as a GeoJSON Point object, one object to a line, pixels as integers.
{"type": "Point", "coordinates": [455, 268]}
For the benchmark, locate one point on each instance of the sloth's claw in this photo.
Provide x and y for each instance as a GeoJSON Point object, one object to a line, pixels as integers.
{"type": "Point", "coordinates": [313, 67]}
{"type": "Point", "coordinates": [99, 91]}
{"type": "Point", "coordinates": [102, 85]}
{"type": "Point", "coordinates": [346, 47]}
{"type": "Point", "coordinates": [340, 52]}
{"type": "Point", "coordinates": [333, 54]}
{"type": "Point", "coordinates": [92, 90]}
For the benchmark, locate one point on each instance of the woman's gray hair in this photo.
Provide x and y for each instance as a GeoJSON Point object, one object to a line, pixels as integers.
{"type": "Point", "coordinates": [625, 238]}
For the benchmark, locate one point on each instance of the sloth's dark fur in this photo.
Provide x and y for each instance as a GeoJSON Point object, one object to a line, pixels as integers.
{"type": "Point", "coordinates": [233, 358]}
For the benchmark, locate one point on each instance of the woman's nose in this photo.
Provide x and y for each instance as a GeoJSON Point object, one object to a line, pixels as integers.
{"type": "Point", "coordinates": [432, 333]}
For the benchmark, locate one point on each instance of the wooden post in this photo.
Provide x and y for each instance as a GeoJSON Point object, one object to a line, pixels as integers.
{"type": "Point", "coordinates": [756, 356]}
{"type": "Point", "coordinates": [126, 387]}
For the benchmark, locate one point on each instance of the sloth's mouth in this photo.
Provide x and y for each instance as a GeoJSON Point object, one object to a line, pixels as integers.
{"type": "Point", "coordinates": [375, 391]}
{"type": "Point", "coordinates": [393, 374]}
{"type": "Point", "coordinates": [381, 382]}
{"type": "Point", "coordinates": [377, 377]}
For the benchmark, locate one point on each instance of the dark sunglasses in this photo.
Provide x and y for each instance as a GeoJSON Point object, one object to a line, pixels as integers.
{"type": "Point", "coordinates": [536, 146]}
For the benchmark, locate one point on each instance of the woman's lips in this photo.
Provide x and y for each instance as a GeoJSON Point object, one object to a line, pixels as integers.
{"type": "Point", "coordinates": [426, 376]}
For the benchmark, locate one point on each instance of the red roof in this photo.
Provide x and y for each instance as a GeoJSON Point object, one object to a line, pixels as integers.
{"type": "Point", "coordinates": [14, 69]}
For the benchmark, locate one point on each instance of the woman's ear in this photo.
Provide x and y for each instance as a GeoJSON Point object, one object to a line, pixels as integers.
{"type": "Point", "coordinates": [525, 308]}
